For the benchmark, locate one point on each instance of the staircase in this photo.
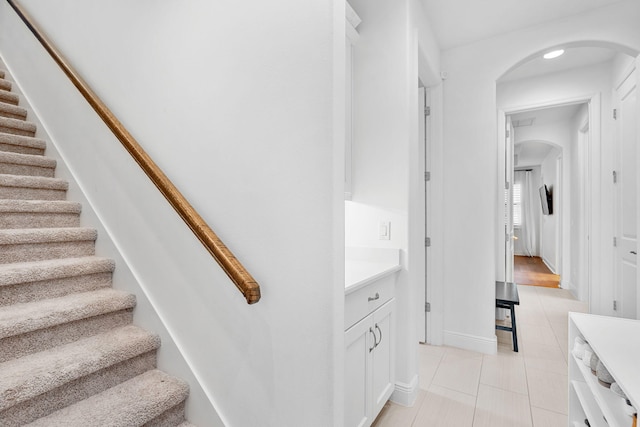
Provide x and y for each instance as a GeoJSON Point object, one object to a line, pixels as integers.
{"type": "Point", "coordinates": [69, 353]}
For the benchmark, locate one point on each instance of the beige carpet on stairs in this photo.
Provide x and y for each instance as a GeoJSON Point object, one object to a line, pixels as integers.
{"type": "Point", "coordinates": [69, 353]}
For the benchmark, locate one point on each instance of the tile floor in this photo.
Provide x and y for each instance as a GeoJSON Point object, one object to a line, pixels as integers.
{"type": "Point", "coordinates": [466, 389]}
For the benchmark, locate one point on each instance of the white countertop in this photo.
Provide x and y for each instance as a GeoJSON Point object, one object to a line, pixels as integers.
{"type": "Point", "coordinates": [365, 265]}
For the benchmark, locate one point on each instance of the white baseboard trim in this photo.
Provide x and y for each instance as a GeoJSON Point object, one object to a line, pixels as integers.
{"type": "Point", "coordinates": [471, 342]}
{"type": "Point", "coordinates": [549, 265]}
{"type": "Point", "coordinates": [406, 394]}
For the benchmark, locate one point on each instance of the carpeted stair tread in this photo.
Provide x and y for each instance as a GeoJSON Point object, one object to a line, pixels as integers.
{"type": "Point", "coordinates": [26, 142]}
{"type": "Point", "coordinates": [12, 274]}
{"type": "Point", "coordinates": [40, 206]}
{"type": "Point", "coordinates": [5, 84]}
{"type": "Point", "coordinates": [32, 375]}
{"type": "Point", "coordinates": [37, 182]}
{"type": "Point", "coordinates": [9, 97]}
{"type": "Point", "coordinates": [27, 159]}
{"type": "Point", "coordinates": [46, 235]}
{"type": "Point", "coordinates": [18, 319]}
{"type": "Point", "coordinates": [155, 392]}
{"type": "Point", "coordinates": [16, 126]}
{"type": "Point", "coordinates": [12, 111]}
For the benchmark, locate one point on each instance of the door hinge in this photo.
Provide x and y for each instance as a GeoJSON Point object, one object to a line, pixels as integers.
{"type": "Point", "coordinates": [427, 307]}
{"type": "Point", "coordinates": [615, 242]}
{"type": "Point", "coordinates": [506, 185]}
{"type": "Point", "coordinates": [427, 176]}
{"type": "Point", "coordinates": [427, 241]}
{"type": "Point", "coordinates": [615, 177]}
{"type": "Point", "coordinates": [508, 133]}
{"type": "Point", "coordinates": [615, 114]}
{"type": "Point", "coordinates": [615, 305]}
{"type": "Point", "coordinates": [427, 111]}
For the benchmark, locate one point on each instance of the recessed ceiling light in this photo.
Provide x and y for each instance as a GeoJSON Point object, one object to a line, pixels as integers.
{"type": "Point", "coordinates": [553, 54]}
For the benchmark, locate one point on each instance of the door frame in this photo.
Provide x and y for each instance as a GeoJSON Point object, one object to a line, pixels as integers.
{"type": "Point", "coordinates": [593, 184]}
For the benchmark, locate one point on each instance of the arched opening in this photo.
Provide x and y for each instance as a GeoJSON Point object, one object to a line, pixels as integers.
{"type": "Point", "coordinates": [585, 80]}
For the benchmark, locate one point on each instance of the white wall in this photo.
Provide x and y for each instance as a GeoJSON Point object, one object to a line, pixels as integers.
{"type": "Point", "coordinates": [235, 102]}
{"type": "Point", "coordinates": [472, 158]}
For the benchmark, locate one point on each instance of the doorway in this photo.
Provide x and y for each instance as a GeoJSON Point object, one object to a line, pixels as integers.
{"type": "Point", "coordinates": [546, 189]}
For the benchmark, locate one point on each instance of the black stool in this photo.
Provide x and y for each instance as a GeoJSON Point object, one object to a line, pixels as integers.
{"type": "Point", "coordinates": [507, 298]}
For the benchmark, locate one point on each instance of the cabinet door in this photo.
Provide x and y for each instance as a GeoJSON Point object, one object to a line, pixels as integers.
{"type": "Point", "coordinates": [383, 356]}
{"type": "Point", "coordinates": [359, 343]}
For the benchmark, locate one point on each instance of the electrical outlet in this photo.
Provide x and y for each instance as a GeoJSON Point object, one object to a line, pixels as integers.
{"type": "Point", "coordinates": [384, 230]}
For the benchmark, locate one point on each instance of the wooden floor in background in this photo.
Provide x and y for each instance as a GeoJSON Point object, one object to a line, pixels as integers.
{"type": "Point", "coordinates": [532, 271]}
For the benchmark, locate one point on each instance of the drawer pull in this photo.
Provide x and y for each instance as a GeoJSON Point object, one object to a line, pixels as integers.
{"type": "Point", "coordinates": [374, 298]}
{"type": "Point", "coordinates": [374, 340]}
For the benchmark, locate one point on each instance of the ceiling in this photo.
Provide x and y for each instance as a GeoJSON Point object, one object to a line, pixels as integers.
{"type": "Point", "coordinates": [532, 153]}
{"type": "Point", "coordinates": [573, 58]}
{"type": "Point", "coordinates": [459, 22]}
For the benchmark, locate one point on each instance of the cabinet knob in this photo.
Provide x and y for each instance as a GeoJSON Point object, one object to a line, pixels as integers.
{"type": "Point", "coordinates": [375, 298]}
{"type": "Point", "coordinates": [634, 252]}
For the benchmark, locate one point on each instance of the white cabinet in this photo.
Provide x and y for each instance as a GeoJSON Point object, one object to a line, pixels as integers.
{"type": "Point", "coordinates": [369, 353]}
{"type": "Point", "coordinates": [616, 341]}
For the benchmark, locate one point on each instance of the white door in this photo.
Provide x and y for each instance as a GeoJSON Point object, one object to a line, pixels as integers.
{"type": "Point", "coordinates": [626, 199]}
{"type": "Point", "coordinates": [424, 152]}
{"type": "Point", "coordinates": [359, 342]}
{"type": "Point", "coordinates": [383, 357]}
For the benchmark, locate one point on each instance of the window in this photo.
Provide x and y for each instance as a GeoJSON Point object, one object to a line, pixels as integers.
{"type": "Point", "coordinates": [517, 204]}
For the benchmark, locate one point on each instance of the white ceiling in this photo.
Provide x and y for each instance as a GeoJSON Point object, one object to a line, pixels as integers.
{"type": "Point", "coordinates": [458, 22]}
{"type": "Point", "coordinates": [572, 58]}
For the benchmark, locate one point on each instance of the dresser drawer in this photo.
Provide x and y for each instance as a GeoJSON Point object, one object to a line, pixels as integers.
{"type": "Point", "coordinates": [359, 303]}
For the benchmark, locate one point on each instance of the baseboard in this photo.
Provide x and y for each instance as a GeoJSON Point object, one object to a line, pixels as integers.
{"type": "Point", "coordinates": [549, 265]}
{"type": "Point", "coordinates": [471, 342]}
{"type": "Point", "coordinates": [406, 394]}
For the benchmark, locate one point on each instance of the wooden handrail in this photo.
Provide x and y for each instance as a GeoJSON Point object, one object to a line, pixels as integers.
{"type": "Point", "coordinates": [229, 263]}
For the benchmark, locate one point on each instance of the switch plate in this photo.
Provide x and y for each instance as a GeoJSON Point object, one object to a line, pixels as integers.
{"type": "Point", "coordinates": [384, 230]}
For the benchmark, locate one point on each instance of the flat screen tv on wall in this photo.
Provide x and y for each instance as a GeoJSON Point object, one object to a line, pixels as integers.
{"type": "Point", "coordinates": [546, 200]}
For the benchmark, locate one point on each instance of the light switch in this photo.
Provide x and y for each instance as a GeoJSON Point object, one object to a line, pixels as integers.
{"type": "Point", "coordinates": [384, 230]}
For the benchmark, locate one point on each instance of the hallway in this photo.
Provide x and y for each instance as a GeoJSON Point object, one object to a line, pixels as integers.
{"type": "Point", "coordinates": [467, 389]}
{"type": "Point", "coordinates": [533, 271]}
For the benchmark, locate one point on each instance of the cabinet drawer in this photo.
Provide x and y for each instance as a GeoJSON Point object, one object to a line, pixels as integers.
{"type": "Point", "coordinates": [360, 303]}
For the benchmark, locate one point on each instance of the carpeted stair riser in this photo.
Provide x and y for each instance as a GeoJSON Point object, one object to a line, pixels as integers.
{"type": "Point", "coordinates": [155, 386]}
{"type": "Point", "coordinates": [26, 164]}
{"type": "Point", "coordinates": [45, 243]}
{"type": "Point", "coordinates": [17, 127]}
{"type": "Point", "coordinates": [5, 85]}
{"type": "Point", "coordinates": [171, 417]}
{"type": "Point", "coordinates": [27, 282]}
{"type": "Point", "coordinates": [21, 144]}
{"type": "Point", "coordinates": [12, 111]}
{"type": "Point", "coordinates": [39, 214]}
{"type": "Point", "coordinates": [32, 188]}
{"type": "Point", "coordinates": [40, 325]}
{"type": "Point", "coordinates": [36, 385]}
{"type": "Point", "coordinates": [9, 97]}
{"type": "Point", "coordinates": [24, 344]}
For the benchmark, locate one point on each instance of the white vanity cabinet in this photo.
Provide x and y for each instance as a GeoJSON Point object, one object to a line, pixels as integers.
{"type": "Point", "coordinates": [369, 351]}
{"type": "Point", "coordinates": [616, 342]}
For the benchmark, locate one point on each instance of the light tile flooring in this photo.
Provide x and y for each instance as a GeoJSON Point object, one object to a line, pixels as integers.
{"type": "Point", "coordinates": [466, 389]}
